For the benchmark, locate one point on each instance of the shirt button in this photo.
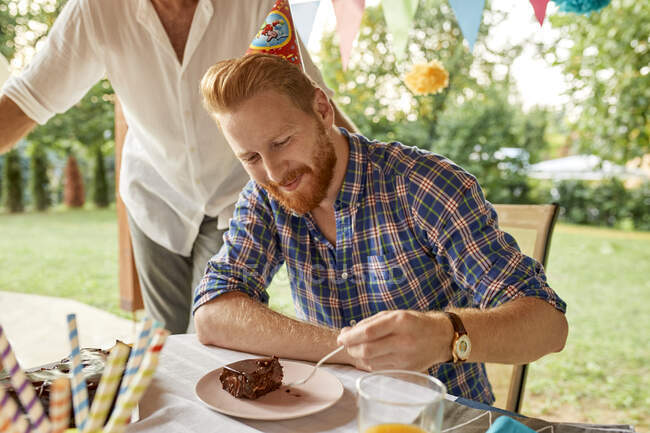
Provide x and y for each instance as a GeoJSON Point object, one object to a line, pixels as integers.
{"type": "Point", "coordinates": [344, 275]}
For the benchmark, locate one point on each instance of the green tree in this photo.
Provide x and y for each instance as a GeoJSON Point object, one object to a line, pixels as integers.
{"type": "Point", "coordinates": [38, 180]}
{"type": "Point", "coordinates": [606, 59]}
{"type": "Point", "coordinates": [12, 182]}
{"type": "Point", "coordinates": [470, 121]}
{"type": "Point", "coordinates": [100, 185]}
{"type": "Point", "coordinates": [87, 126]}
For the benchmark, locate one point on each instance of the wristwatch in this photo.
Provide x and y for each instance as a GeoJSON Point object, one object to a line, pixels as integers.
{"type": "Point", "coordinates": [461, 346]}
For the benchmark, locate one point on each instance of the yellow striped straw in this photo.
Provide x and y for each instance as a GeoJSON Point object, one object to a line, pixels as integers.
{"type": "Point", "coordinates": [12, 419]}
{"type": "Point", "coordinates": [79, 390]}
{"type": "Point", "coordinates": [60, 404]}
{"type": "Point", "coordinates": [107, 387]}
{"type": "Point", "coordinates": [137, 352]}
{"type": "Point", "coordinates": [126, 402]}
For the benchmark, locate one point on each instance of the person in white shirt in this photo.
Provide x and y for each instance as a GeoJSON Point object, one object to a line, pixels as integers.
{"type": "Point", "coordinates": [179, 178]}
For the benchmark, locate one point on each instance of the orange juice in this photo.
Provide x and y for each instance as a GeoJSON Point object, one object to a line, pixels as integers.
{"type": "Point", "coordinates": [394, 428]}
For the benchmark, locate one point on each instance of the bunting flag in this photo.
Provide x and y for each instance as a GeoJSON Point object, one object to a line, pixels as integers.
{"type": "Point", "coordinates": [399, 17]}
{"type": "Point", "coordinates": [348, 20]}
{"type": "Point", "coordinates": [540, 9]}
{"type": "Point", "coordinates": [305, 15]}
{"type": "Point", "coordinates": [277, 35]}
{"type": "Point", "coordinates": [468, 14]}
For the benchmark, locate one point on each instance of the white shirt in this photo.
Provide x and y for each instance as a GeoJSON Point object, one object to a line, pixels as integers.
{"type": "Point", "coordinates": [176, 166]}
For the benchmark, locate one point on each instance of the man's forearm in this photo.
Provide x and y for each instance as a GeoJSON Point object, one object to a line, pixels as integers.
{"type": "Point", "coordinates": [14, 124]}
{"type": "Point", "coordinates": [235, 321]}
{"type": "Point", "coordinates": [517, 332]}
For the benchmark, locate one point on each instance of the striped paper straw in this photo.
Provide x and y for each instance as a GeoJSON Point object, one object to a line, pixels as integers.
{"type": "Point", "coordinates": [127, 401]}
{"type": "Point", "coordinates": [135, 358]}
{"type": "Point", "coordinates": [12, 418]}
{"type": "Point", "coordinates": [107, 387]}
{"type": "Point", "coordinates": [23, 387]}
{"type": "Point", "coordinates": [60, 405]}
{"type": "Point", "coordinates": [79, 391]}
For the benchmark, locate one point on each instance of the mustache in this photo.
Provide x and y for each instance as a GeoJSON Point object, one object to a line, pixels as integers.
{"type": "Point", "coordinates": [289, 177]}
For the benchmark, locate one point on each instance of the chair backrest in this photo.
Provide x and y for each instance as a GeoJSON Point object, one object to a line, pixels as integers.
{"type": "Point", "coordinates": [532, 227]}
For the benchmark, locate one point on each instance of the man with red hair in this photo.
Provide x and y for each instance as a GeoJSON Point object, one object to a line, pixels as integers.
{"type": "Point", "coordinates": [395, 239]}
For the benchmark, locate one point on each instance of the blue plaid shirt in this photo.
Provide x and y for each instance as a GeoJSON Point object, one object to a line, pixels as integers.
{"type": "Point", "coordinates": [413, 231]}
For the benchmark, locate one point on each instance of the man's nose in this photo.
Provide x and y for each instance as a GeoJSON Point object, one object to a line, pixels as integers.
{"type": "Point", "coordinates": [275, 169]}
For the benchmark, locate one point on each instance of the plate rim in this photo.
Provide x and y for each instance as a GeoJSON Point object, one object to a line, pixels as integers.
{"type": "Point", "coordinates": [279, 416]}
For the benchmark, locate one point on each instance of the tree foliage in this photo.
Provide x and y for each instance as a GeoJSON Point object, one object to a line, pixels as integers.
{"type": "Point", "coordinates": [38, 178]}
{"type": "Point", "coordinates": [12, 182]}
{"type": "Point", "coordinates": [470, 122]}
{"type": "Point", "coordinates": [606, 59]}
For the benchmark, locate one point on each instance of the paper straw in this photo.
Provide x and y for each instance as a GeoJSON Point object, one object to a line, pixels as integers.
{"type": "Point", "coordinates": [107, 387]}
{"type": "Point", "coordinates": [137, 352]}
{"type": "Point", "coordinates": [23, 387]}
{"type": "Point", "coordinates": [127, 401]}
{"type": "Point", "coordinates": [12, 418]}
{"type": "Point", "coordinates": [79, 391]}
{"type": "Point", "coordinates": [60, 404]}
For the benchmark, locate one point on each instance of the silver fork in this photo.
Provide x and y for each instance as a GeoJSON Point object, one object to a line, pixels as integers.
{"type": "Point", "coordinates": [313, 371]}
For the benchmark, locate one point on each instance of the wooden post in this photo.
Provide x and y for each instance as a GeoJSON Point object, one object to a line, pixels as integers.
{"type": "Point", "coordinates": [130, 295]}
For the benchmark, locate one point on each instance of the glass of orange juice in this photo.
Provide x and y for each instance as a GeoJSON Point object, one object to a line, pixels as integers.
{"type": "Point", "coordinates": [399, 401]}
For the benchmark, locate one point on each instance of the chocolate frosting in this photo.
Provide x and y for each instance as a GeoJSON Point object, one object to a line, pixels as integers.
{"type": "Point", "coordinates": [252, 378]}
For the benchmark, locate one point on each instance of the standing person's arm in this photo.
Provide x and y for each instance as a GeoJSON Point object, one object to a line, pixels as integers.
{"type": "Point", "coordinates": [14, 124]}
{"type": "Point", "coordinates": [341, 119]}
{"type": "Point", "coordinates": [61, 72]}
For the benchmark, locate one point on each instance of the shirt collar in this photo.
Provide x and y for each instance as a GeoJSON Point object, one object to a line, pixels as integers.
{"type": "Point", "coordinates": [354, 182]}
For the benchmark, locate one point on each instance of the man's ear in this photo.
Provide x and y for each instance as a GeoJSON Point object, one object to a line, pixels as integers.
{"type": "Point", "coordinates": [323, 107]}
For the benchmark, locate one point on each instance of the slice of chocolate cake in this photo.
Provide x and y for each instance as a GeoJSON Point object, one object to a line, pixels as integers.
{"type": "Point", "coordinates": [252, 378]}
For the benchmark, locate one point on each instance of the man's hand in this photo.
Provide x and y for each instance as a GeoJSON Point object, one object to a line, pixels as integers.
{"type": "Point", "coordinates": [402, 339]}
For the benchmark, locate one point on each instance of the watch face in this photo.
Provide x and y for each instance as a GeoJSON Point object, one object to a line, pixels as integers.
{"type": "Point", "coordinates": [463, 347]}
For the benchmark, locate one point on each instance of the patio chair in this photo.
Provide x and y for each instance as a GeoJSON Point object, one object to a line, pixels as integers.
{"type": "Point", "coordinates": [532, 227]}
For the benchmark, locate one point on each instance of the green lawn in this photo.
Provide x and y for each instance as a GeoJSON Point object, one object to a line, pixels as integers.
{"type": "Point", "coordinates": [603, 375]}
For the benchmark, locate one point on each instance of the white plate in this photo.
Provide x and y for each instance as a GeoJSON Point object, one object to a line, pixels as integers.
{"type": "Point", "coordinates": [319, 393]}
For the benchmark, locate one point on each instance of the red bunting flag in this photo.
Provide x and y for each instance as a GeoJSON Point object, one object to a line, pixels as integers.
{"type": "Point", "coordinates": [277, 35]}
{"type": "Point", "coordinates": [540, 9]}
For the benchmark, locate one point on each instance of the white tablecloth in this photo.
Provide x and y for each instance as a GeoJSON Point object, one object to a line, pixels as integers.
{"type": "Point", "coordinates": [169, 405]}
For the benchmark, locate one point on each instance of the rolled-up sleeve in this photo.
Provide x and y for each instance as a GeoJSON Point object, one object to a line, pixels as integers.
{"type": "Point", "coordinates": [63, 70]}
{"type": "Point", "coordinates": [250, 256]}
{"type": "Point", "coordinates": [465, 238]}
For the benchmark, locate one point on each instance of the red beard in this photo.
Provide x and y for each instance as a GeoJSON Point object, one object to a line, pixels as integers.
{"type": "Point", "coordinates": [304, 201]}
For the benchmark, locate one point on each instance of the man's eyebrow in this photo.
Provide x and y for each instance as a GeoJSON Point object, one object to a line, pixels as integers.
{"type": "Point", "coordinates": [242, 155]}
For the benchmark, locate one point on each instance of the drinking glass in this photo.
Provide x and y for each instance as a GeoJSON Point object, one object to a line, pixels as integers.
{"type": "Point", "coordinates": [399, 401]}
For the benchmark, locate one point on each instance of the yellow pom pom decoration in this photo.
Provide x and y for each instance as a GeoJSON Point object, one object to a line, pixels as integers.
{"type": "Point", "coordinates": [427, 78]}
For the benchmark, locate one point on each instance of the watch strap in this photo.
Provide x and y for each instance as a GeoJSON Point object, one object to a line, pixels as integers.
{"type": "Point", "coordinates": [456, 323]}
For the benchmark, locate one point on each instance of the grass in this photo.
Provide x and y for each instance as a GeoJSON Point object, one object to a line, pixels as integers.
{"type": "Point", "coordinates": [603, 374]}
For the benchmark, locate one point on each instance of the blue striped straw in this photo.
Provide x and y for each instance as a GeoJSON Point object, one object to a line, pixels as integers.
{"type": "Point", "coordinates": [23, 387]}
{"type": "Point", "coordinates": [137, 353]}
{"type": "Point", "coordinates": [11, 417]}
{"type": "Point", "coordinates": [79, 391]}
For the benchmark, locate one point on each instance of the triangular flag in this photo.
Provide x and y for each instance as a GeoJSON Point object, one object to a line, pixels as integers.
{"type": "Point", "coordinates": [348, 19]}
{"type": "Point", "coordinates": [540, 9]}
{"type": "Point", "coordinates": [277, 35]}
{"type": "Point", "coordinates": [399, 16]}
{"type": "Point", "coordinates": [468, 14]}
{"type": "Point", "coordinates": [304, 14]}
